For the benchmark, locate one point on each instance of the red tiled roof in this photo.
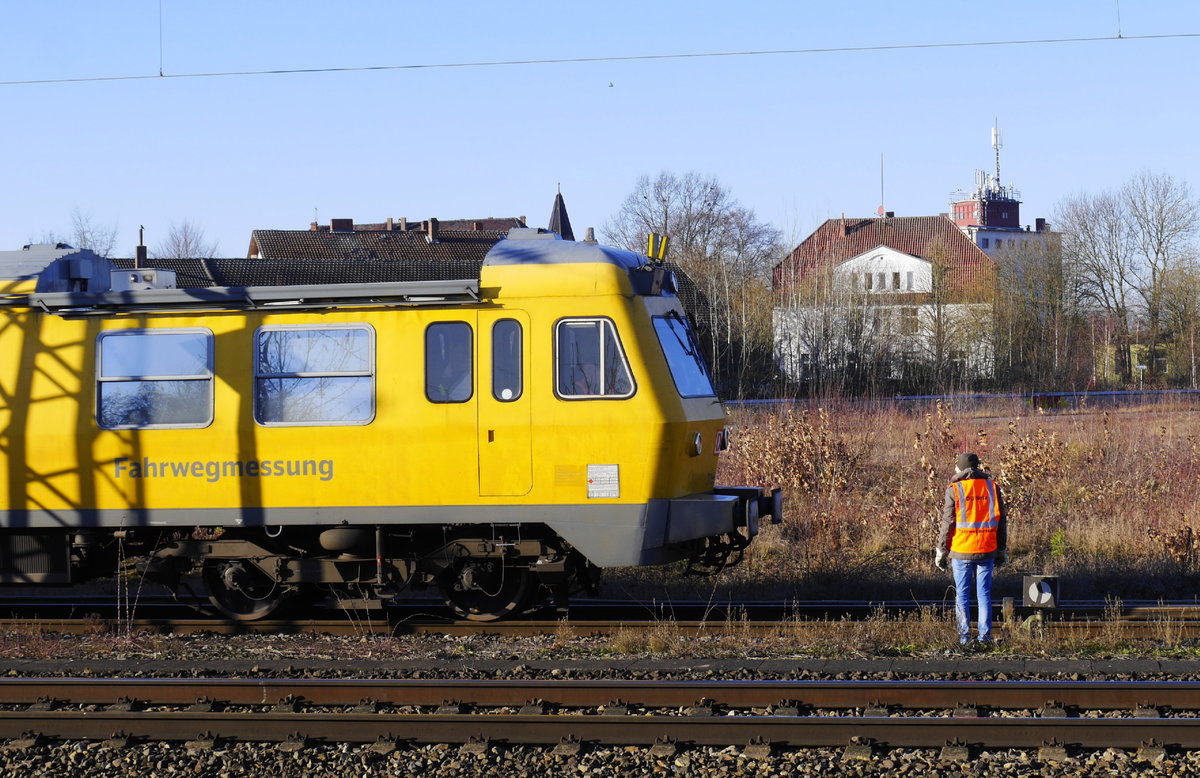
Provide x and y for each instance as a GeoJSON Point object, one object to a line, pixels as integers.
{"type": "Point", "coordinates": [837, 240]}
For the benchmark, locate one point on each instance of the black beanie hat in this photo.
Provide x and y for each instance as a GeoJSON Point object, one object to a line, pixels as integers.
{"type": "Point", "coordinates": [968, 461]}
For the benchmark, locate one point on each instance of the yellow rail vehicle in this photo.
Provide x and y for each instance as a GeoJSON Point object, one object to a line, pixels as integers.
{"type": "Point", "coordinates": [501, 438]}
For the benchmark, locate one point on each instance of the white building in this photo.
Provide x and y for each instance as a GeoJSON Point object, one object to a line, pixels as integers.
{"type": "Point", "coordinates": [884, 296]}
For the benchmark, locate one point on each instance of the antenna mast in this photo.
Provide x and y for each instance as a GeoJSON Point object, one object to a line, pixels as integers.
{"type": "Point", "coordinates": [997, 144]}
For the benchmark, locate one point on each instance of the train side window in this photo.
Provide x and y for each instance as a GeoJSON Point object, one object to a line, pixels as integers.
{"type": "Point", "coordinates": [448, 358]}
{"type": "Point", "coordinates": [589, 360]}
{"type": "Point", "coordinates": [506, 360]}
{"type": "Point", "coordinates": [314, 375]}
{"type": "Point", "coordinates": [148, 379]}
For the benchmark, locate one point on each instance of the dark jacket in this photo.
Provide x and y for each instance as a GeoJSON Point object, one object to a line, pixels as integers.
{"type": "Point", "coordinates": [947, 528]}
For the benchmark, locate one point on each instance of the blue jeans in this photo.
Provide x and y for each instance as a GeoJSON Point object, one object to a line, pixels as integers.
{"type": "Point", "coordinates": [981, 571]}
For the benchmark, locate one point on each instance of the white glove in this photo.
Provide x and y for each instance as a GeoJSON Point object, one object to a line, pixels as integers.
{"type": "Point", "coordinates": [939, 559]}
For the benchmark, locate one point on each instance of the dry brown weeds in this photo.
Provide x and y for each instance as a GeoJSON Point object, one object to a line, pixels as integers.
{"type": "Point", "coordinates": [1109, 501]}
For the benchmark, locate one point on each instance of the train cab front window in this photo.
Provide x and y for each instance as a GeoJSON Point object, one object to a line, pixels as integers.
{"type": "Point", "coordinates": [589, 360]}
{"type": "Point", "coordinates": [683, 357]}
{"type": "Point", "coordinates": [148, 379]}
{"type": "Point", "coordinates": [314, 375]}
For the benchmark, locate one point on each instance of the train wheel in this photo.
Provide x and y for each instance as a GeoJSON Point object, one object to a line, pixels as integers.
{"type": "Point", "coordinates": [486, 589]}
{"type": "Point", "coordinates": [240, 591]}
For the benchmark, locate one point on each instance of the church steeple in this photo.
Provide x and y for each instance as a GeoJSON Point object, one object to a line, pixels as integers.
{"type": "Point", "coordinates": [559, 221]}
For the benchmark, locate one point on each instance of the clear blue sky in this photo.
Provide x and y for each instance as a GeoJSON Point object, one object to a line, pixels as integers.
{"type": "Point", "coordinates": [796, 137]}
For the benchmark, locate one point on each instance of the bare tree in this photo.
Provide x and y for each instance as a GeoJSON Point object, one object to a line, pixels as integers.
{"type": "Point", "coordinates": [85, 233]}
{"type": "Point", "coordinates": [1098, 250]}
{"type": "Point", "coordinates": [185, 240]}
{"type": "Point", "coordinates": [726, 251]}
{"type": "Point", "coordinates": [1041, 341]}
{"type": "Point", "coordinates": [1162, 217]}
{"type": "Point", "coordinates": [1181, 308]}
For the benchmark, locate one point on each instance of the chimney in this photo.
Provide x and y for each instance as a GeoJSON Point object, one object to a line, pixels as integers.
{"type": "Point", "coordinates": [476, 226]}
{"type": "Point", "coordinates": [845, 230]}
{"type": "Point", "coordinates": [589, 235]}
{"type": "Point", "coordinates": [432, 232]}
{"type": "Point", "coordinates": [312, 226]}
{"type": "Point", "coordinates": [404, 224]}
{"type": "Point", "coordinates": [1040, 225]}
{"type": "Point", "coordinates": [341, 225]}
{"type": "Point", "coordinates": [139, 259]}
{"type": "Point", "coordinates": [389, 226]}
{"type": "Point", "coordinates": [523, 221]}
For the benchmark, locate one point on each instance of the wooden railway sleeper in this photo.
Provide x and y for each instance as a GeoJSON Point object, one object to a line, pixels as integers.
{"type": "Point", "coordinates": [476, 745]}
{"type": "Point", "coordinates": [955, 750]}
{"type": "Point", "coordinates": [758, 748]}
{"type": "Point", "coordinates": [205, 741]}
{"type": "Point", "coordinates": [567, 747]}
{"type": "Point", "coordinates": [1053, 750]}
{"type": "Point", "coordinates": [28, 740]}
{"type": "Point", "coordinates": [1152, 751]}
{"type": "Point", "coordinates": [1147, 711]}
{"type": "Point", "coordinates": [859, 748]}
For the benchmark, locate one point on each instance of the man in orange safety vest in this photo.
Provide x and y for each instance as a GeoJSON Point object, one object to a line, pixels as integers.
{"type": "Point", "coordinates": [974, 536]}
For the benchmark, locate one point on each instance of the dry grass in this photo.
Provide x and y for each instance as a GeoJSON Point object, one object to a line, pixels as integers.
{"type": "Point", "coordinates": [1108, 501]}
{"type": "Point", "coordinates": [921, 632]}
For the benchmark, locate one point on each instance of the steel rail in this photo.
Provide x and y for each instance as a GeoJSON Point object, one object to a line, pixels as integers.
{"type": "Point", "coordinates": [912, 695]}
{"type": "Point", "coordinates": [1163, 627]}
{"type": "Point", "coordinates": [793, 731]}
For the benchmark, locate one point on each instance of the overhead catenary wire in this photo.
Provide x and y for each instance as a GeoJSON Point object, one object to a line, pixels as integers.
{"type": "Point", "coordinates": [624, 58]}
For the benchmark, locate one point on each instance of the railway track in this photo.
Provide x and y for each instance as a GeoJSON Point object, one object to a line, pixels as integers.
{"type": "Point", "coordinates": [1153, 626]}
{"type": "Point", "coordinates": [574, 714]}
{"type": "Point", "coordinates": [162, 613]}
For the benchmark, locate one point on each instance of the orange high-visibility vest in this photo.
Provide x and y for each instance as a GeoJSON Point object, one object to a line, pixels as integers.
{"type": "Point", "coordinates": [976, 516]}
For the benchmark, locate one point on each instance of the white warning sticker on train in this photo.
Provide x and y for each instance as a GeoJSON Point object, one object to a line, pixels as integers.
{"type": "Point", "coordinates": [603, 481]}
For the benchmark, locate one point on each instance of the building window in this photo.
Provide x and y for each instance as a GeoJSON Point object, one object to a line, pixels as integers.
{"type": "Point", "coordinates": [149, 379]}
{"type": "Point", "coordinates": [909, 280]}
{"type": "Point", "coordinates": [314, 375]}
{"type": "Point", "coordinates": [448, 356]}
{"type": "Point", "coordinates": [589, 360]}
{"type": "Point", "coordinates": [506, 360]}
{"type": "Point", "coordinates": [882, 283]}
{"type": "Point", "coordinates": [908, 321]}
{"type": "Point", "coordinates": [983, 243]}
{"type": "Point", "coordinates": [896, 280]}
{"type": "Point", "coordinates": [867, 281]}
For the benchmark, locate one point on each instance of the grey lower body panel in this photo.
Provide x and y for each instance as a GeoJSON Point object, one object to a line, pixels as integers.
{"type": "Point", "coordinates": [613, 535]}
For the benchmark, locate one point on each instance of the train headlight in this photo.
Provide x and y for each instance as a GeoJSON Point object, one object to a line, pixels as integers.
{"type": "Point", "coordinates": [697, 445]}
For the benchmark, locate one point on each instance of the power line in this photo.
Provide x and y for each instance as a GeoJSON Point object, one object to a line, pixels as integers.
{"type": "Point", "coordinates": [629, 58]}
